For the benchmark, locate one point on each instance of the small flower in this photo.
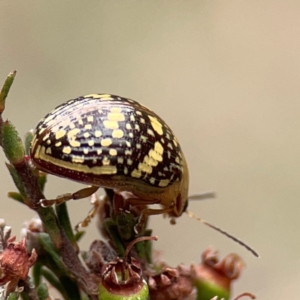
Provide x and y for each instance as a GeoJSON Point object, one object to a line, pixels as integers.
{"type": "Point", "coordinates": [123, 277]}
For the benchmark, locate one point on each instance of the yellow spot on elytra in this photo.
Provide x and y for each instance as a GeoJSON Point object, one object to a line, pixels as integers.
{"type": "Point", "coordinates": [115, 109]}
{"type": "Point", "coordinates": [115, 116]}
{"type": "Point", "coordinates": [72, 133]}
{"type": "Point", "coordinates": [48, 142]}
{"type": "Point", "coordinates": [131, 135]}
{"type": "Point", "coordinates": [154, 155]}
{"type": "Point", "coordinates": [138, 113]}
{"type": "Point", "coordinates": [128, 144]}
{"type": "Point", "coordinates": [144, 139]}
{"type": "Point", "coordinates": [86, 151]}
{"type": "Point", "coordinates": [90, 118]}
{"type": "Point", "coordinates": [117, 133]}
{"type": "Point", "coordinates": [77, 159]}
{"type": "Point", "coordinates": [99, 151]}
{"type": "Point", "coordinates": [91, 143]}
{"type": "Point", "coordinates": [46, 136]}
{"type": "Point", "coordinates": [128, 126]}
{"type": "Point", "coordinates": [59, 134]}
{"type": "Point", "coordinates": [177, 160]}
{"type": "Point", "coordinates": [142, 120]}
{"type": "Point", "coordinates": [49, 151]}
{"type": "Point", "coordinates": [150, 132]}
{"type": "Point", "coordinates": [157, 126]}
{"type": "Point", "coordinates": [110, 124]}
{"type": "Point", "coordinates": [150, 161]}
{"type": "Point", "coordinates": [137, 127]}
{"type": "Point", "coordinates": [71, 125]}
{"type": "Point", "coordinates": [88, 126]}
{"type": "Point", "coordinates": [152, 180]}
{"type": "Point", "coordinates": [175, 142]}
{"type": "Point", "coordinates": [136, 173]}
{"type": "Point", "coordinates": [145, 168]}
{"type": "Point", "coordinates": [125, 170]}
{"type": "Point", "coordinates": [86, 135]}
{"type": "Point", "coordinates": [57, 144]}
{"type": "Point", "coordinates": [158, 148]}
{"type": "Point", "coordinates": [113, 152]}
{"type": "Point", "coordinates": [129, 161]}
{"type": "Point", "coordinates": [170, 146]}
{"type": "Point", "coordinates": [128, 152]}
{"type": "Point", "coordinates": [120, 160]}
{"type": "Point", "coordinates": [138, 146]}
{"type": "Point", "coordinates": [169, 154]}
{"type": "Point", "coordinates": [105, 161]}
{"type": "Point", "coordinates": [132, 118]}
{"type": "Point", "coordinates": [99, 96]}
{"type": "Point", "coordinates": [106, 142]}
{"type": "Point", "coordinates": [74, 143]}
{"type": "Point", "coordinates": [164, 182]}
{"type": "Point", "coordinates": [98, 133]}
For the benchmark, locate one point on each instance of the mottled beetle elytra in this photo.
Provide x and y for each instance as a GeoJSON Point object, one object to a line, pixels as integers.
{"type": "Point", "coordinates": [113, 142]}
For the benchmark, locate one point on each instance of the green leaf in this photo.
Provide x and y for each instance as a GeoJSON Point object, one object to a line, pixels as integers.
{"type": "Point", "coordinates": [18, 182]}
{"type": "Point", "coordinates": [64, 220]}
{"type": "Point", "coordinates": [12, 144]}
{"type": "Point", "coordinates": [16, 196]}
{"type": "Point", "coordinates": [5, 89]}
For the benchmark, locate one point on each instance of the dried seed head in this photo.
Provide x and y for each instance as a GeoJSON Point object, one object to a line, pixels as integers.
{"type": "Point", "coordinates": [170, 284]}
{"type": "Point", "coordinates": [15, 262]}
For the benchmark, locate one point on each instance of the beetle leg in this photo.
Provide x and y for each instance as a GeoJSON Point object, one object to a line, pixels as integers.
{"type": "Point", "coordinates": [83, 193]}
{"type": "Point", "coordinates": [138, 201]}
{"type": "Point", "coordinates": [97, 203]}
{"type": "Point", "coordinates": [148, 212]}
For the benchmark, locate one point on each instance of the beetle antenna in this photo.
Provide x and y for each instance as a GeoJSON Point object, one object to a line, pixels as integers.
{"type": "Point", "coordinates": [192, 215]}
{"type": "Point", "coordinates": [202, 196]}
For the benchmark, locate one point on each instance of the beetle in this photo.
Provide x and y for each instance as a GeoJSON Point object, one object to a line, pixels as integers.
{"type": "Point", "coordinates": [113, 142]}
{"type": "Point", "coordinates": [109, 141]}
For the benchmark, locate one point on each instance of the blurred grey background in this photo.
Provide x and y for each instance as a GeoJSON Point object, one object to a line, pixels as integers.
{"type": "Point", "coordinates": [223, 74]}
